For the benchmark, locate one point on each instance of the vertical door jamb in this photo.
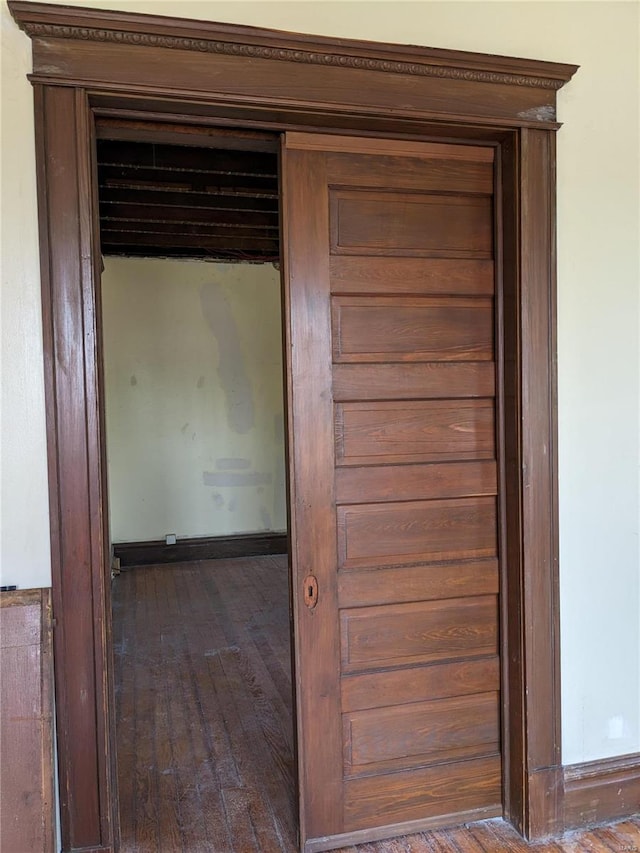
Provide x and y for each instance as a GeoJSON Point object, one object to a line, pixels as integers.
{"type": "Point", "coordinates": [67, 215]}
{"type": "Point", "coordinates": [540, 618]}
{"type": "Point", "coordinates": [531, 646]}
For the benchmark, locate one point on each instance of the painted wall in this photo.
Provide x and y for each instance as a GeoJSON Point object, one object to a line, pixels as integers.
{"type": "Point", "coordinates": [598, 313]}
{"type": "Point", "coordinates": [194, 398]}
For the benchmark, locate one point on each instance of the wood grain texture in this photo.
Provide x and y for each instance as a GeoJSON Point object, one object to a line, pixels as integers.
{"type": "Point", "coordinates": [27, 798]}
{"type": "Point", "coordinates": [400, 603]}
{"type": "Point", "coordinates": [375, 329]}
{"type": "Point", "coordinates": [384, 483]}
{"type": "Point", "coordinates": [105, 54]}
{"type": "Point", "coordinates": [401, 275]}
{"type": "Point", "coordinates": [312, 490]}
{"type": "Point", "coordinates": [412, 381]}
{"type": "Point", "coordinates": [353, 89]}
{"type": "Point", "coordinates": [538, 462]}
{"type": "Point", "coordinates": [509, 402]}
{"type": "Point", "coordinates": [597, 790]}
{"type": "Point", "coordinates": [419, 684]}
{"type": "Point", "coordinates": [446, 169]}
{"type": "Point", "coordinates": [421, 632]}
{"type": "Point", "coordinates": [365, 222]}
{"type": "Point", "coordinates": [428, 791]}
{"type": "Point", "coordinates": [414, 431]}
{"type": "Point", "coordinates": [181, 628]}
{"type": "Point", "coordinates": [67, 214]}
{"type": "Point", "coordinates": [332, 144]}
{"type": "Point", "coordinates": [416, 531]}
{"type": "Point", "coordinates": [418, 583]}
{"type": "Point", "coordinates": [204, 707]}
{"type": "Point", "coordinates": [421, 733]}
{"type": "Point", "coordinates": [544, 74]}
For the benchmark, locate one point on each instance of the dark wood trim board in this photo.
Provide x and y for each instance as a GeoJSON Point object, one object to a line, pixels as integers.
{"type": "Point", "coordinates": [600, 791]}
{"type": "Point", "coordinates": [89, 63]}
{"type": "Point", "coordinates": [200, 548]}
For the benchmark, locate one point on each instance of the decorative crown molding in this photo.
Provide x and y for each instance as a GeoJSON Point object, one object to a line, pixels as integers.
{"type": "Point", "coordinates": [308, 57]}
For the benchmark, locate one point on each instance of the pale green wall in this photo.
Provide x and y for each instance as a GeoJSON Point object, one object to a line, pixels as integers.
{"type": "Point", "coordinates": [194, 398]}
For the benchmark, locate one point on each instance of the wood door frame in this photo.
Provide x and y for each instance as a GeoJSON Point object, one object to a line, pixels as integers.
{"type": "Point", "coordinates": [89, 63]}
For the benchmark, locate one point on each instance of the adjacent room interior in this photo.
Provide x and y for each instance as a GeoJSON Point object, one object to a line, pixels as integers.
{"type": "Point", "coordinates": [195, 443]}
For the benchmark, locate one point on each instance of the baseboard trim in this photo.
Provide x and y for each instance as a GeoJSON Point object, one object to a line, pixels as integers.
{"type": "Point", "coordinates": [601, 791]}
{"type": "Point", "coordinates": [381, 833]}
{"type": "Point", "coordinates": [200, 548]}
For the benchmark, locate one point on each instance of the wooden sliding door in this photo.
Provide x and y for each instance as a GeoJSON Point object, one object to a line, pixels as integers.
{"type": "Point", "coordinates": [392, 387]}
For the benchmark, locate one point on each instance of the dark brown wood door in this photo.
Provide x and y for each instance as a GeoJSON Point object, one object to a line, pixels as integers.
{"type": "Point", "coordinates": [392, 382]}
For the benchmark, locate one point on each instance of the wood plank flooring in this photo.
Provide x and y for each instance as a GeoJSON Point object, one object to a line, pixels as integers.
{"type": "Point", "coordinates": [204, 721]}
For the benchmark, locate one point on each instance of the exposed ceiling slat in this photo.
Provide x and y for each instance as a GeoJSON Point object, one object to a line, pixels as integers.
{"type": "Point", "coordinates": [196, 201]}
{"type": "Point", "coordinates": [185, 177]}
{"type": "Point", "coordinates": [141, 226]}
{"type": "Point", "coordinates": [193, 135]}
{"type": "Point", "coordinates": [159, 200]}
{"type": "Point", "coordinates": [190, 241]}
{"type": "Point", "coordinates": [174, 158]}
{"type": "Point", "coordinates": [186, 214]}
{"type": "Point", "coordinates": [131, 250]}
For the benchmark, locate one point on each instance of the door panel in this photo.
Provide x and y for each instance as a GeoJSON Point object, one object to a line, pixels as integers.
{"type": "Point", "coordinates": [442, 789]}
{"type": "Point", "coordinates": [420, 733]}
{"type": "Point", "coordinates": [409, 382]}
{"type": "Point", "coordinates": [400, 686]}
{"type": "Point", "coordinates": [406, 224]}
{"type": "Point", "coordinates": [379, 329]}
{"type": "Point", "coordinates": [390, 534]}
{"type": "Point", "coordinates": [445, 173]}
{"type": "Point", "coordinates": [390, 289]}
{"type": "Point", "coordinates": [414, 482]}
{"type": "Point", "coordinates": [372, 275]}
{"type": "Point", "coordinates": [399, 634]}
{"type": "Point", "coordinates": [408, 583]}
{"type": "Point", "coordinates": [414, 431]}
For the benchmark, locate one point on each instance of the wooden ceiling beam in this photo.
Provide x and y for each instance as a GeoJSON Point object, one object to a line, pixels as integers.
{"type": "Point", "coordinates": [176, 229]}
{"type": "Point", "coordinates": [196, 136]}
{"type": "Point", "coordinates": [214, 255]}
{"type": "Point", "coordinates": [267, 202]}
{"type": "Point", "coordinates": [197, 179]}
{"type": "Point", "coordinates": [190, 241]}
{"type": "Point", "coordinates": [175, 157]}
{"type": "Point", "coordinates": [130, 211]}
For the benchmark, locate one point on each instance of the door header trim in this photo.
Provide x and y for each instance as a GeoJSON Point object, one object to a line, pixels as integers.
{"type": "Point", "coordinates": [109, 51]}
{"type": "Point", "coordinates": [42, 20]}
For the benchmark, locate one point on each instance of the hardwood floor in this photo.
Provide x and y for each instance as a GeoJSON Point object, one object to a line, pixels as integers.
{"type": "Point", "coordinates": [204, 721]}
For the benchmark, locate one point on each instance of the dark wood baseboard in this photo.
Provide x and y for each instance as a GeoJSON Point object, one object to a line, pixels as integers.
{"type": "Point", "coordinates": [601, 791]}
{"type": "Point", "coordinates": [200, 548]}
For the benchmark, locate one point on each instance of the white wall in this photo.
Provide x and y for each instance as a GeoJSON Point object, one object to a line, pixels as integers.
{"type": "Point", "coordinates": [193, 388]}
{"type": "Point", "coordinates": [24, 503]}
{"type": "Point", "coordinates": [598, 315]}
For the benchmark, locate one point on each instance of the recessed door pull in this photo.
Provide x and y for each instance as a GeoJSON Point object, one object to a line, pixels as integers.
{"type": "Point", "coordinates": [310, 591]}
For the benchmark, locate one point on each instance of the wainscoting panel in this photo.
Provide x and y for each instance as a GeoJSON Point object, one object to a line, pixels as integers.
{"type": "Point", "coordinates": [26, 734]}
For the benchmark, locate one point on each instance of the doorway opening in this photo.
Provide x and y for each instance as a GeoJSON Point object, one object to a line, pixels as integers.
{"type": "Point", "coordinates": [89, 66]}
{"type": "Point", "coordinates": [196, 461]}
